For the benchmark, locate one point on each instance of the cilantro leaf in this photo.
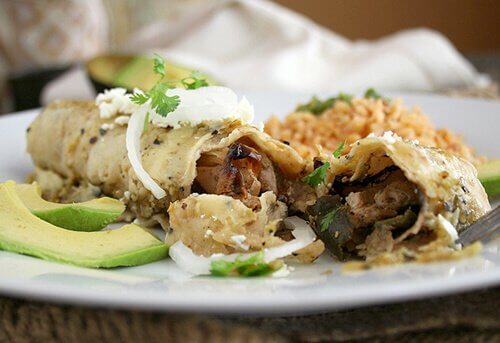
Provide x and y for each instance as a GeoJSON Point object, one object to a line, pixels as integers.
{"type": "Point", "coordinates": [194, 81]}
{"type": "Point", "coordinates": [161, 102]}
{"type": "Point", "coordinates": [317, 176]}
{"type": "Point", "coordinates": [371, 93]}
{"type": "Point", "coordinates": [255, 265]}
{"type": "Point", "coordinates": [317, 106]}
{"type": "Point", "coordinates": [339, 150]}
{"type": "Point", "coordinates": [139, 98]}
{"type": "Point", "coordinates": [344, 97]}
{"type": "Point", "coordinates": [327, 219]}
{"type": "Point", "coordinates": [159, 65]}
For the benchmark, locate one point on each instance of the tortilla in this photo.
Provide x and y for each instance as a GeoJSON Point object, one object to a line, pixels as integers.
{"type": "Point", "coordinates": [76, 159]}
{"type": "Point", "coordinates": [391, 200]}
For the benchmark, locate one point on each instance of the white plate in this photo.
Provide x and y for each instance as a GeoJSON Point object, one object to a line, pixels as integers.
{"type": "Point", "coordinates": [318, 287]}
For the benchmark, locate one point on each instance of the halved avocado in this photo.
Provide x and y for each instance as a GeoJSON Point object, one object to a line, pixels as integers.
{"type": "Point", "coordinates": [131, 72]}
{"type": "Point", "coordinates": [91, 215]}
{"type": "Point", "coordinates": [24, 233]}
{"type": "Point", "coordinates": [102, 70]}
{"type": "Point", "coordinates": [489, 175]}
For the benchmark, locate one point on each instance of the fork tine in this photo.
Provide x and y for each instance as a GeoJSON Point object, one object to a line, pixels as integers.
{"type": "Point", "coordinates": [485, 228]}
{"type": "Point", "coordinates": [490, 235]}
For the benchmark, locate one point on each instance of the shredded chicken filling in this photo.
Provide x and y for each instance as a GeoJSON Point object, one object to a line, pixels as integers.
{"type": "Point", "coordinates": [379, 208]}
{"type": "Point", "coordinates": [239, 171]}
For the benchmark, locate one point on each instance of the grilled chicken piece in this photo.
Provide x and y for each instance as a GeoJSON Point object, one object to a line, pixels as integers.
{"type": "Point", "coordinates": [238, 171]}
{"type": "Point", "coordinates": [382, 200]}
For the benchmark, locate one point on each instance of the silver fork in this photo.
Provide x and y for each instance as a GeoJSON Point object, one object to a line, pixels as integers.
{"type": "Point", "coordinates": [485, 229]}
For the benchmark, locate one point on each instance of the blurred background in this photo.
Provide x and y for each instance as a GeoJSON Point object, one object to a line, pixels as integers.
{"type": "Point", "coordinates": [46, 46]}
{"type": "Point", "coordinates": [469, 24]}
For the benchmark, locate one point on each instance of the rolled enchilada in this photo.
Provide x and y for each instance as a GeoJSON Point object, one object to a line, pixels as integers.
{"type": "Point", "coordinates": [391, 201]}
{"type": "Point", "coordinates": [78, 155]}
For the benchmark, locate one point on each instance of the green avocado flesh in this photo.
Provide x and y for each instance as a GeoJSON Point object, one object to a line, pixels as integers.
{"type": "Point", "coordinates": [24, 233]}
{"type": "Point", "coordinates": [489, 175]}
{"type": "Point", "coordinates": [91, 215]}
{"type": "Point", "coordinates": [134, 72]}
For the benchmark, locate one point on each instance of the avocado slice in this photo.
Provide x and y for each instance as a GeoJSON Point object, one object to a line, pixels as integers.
{"type": "Point", "coordinates": [24, 233]}
{"type": "Point", "coordinates": [91, 215]}
{"type": "Point", "coordinates": [129, 71]}
{"type": "Point", "coordinates": [489, 175]}
{"type": "Point", "coordinates": [138, 73]}
{"type": "Point", "coordinates": [103, 69]}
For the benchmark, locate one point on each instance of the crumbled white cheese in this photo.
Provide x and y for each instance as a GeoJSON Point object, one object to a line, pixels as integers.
{"type": "Point", "coordinates": [283, 271]}
{"type": "Point", "coordinates": [388, 136]}
{"type": "Point", "coordinates": [114, 101]}
{"type": "Point", "coordinates": [107, 126]}
{"type": "Point", "coordinates": [239, 241]}
{"type": "Point", "coordinates": [126, 197]}
{"type": "Point", "coordinates": [208, 233]}
{"type": "Point", "coordinates": [205, 104]}
{"type": "Point", "coordinates": [122, 120]}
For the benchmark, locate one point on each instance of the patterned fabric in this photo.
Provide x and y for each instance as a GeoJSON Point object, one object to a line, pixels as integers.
{"type": "Point", "coordinates": [40, 33]}
{"type": "Point", "coordinates": [35, 34]}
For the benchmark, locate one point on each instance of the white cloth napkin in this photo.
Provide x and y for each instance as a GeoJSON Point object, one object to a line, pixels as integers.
{"type": "Point", "coordinates": [258, 44]}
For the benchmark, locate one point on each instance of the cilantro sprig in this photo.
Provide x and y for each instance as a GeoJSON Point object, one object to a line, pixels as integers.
{"type": "Point", "coordinates": [317, 176]}
{"type": "Point", "coordinates": [162, 103]}
{"type": "Point", "coordinates": [194, 81]}
{"type": "Point", "coordinates": [253, 266]}
{"type": "Point", "coordinates": [371, 93]}
{"type": "Point", "coordinates": [318, 106]}
{"type": "Point", "coordinates": [339, 150]}
{"type": "Point", "coordinates": [327, 219]}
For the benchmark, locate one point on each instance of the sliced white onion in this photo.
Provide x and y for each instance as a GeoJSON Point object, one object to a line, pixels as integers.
{"type": "Point", "coordinates": [187, 260]}
{"type": "Point", "coordinates": [450, 230]}
{"type": "Point", "coordinates": [133, 143]}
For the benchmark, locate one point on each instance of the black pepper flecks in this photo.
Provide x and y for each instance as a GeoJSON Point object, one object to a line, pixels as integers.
{"type": "Point", "coordinates": [286, 142]}
{"type": "Point", "coordinates": [93, 140]}
{"type": "Point", "coordinates": [102, 131]}
{"type": "Point", "coordinates": [181, 189]}
{"type": "Point", "coordinates": [28, 129]}
{"type": "Point", "coordinates": [157, 141]}
{"type": "Point", "coordinates": [82, 131]}
{"type": "Point", "coordinates": [214, 132]}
